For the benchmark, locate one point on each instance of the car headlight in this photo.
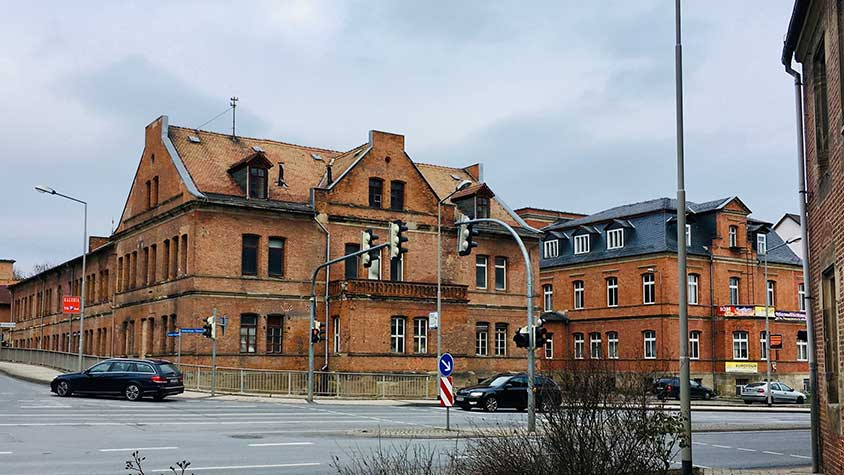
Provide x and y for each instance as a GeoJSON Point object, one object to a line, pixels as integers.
{"type": "Point", "coordinates": [476, 394]}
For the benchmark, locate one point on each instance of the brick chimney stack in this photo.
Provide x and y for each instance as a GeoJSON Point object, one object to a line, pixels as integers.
{"type": "Point", "coordinates": [7, 271]}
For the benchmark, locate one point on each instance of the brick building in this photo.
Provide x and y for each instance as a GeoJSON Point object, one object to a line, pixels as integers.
{"type": "Point", "coordinates": [239, 224]}
{"type": "Point", "coordinates": [615, 274]}
{"type": "Point", "coordinates": [814, 40]}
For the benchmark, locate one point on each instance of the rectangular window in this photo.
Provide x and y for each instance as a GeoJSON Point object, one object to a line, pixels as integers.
{"type": "Point", "coordinates": [821, 106]}
{"type": "Point", "coordinates": [376, 190]}
{"type": "Point", "coordinates": [149, 194]}
{"type": "Point", "coordinates": [612, 345]}
{"type": "Point", "coordinates": [335, 326]}
{"type": "Point", "coordinates": [612, 292]}
{"type": "Point", "coordinates": [650, 344]}
{"type": "Point", "coordinates": [734, 290]}
{"type": "Point", "coordinates": [166, 259]}
{"type": "Point", "coordinates": [578, 346]}
{"type": "Point", "coordinates": [397, 334]}
{"type": "Point", "coordinates": [549, 347]}
{"type": "Point", "coordinates": [733, 236]}
{"type": "Point", "coordinates": [801, 297]}
{"type": "Point", "coordinates": [396, 195]}
{"type": "Point", "coordinates": [249, 255]}
{"type": "Point", "coordinates": [153, 263]}
{"type": "Point", "coordinates": [694, 281]}
{"type": "Point", "coordinates": [578, 294]}
{"type": "Point", "coordinates": [482, 207]}
{"type": "Point", "coordinates": [648, 289]}
{"type": "Point", "coordinates": [397, 268]}
{"type": "Point", "coordinates": [761, 244]}
{"type": "Point", "coordinates": [615, 238]}
{"type": "Point", "coordinates": [420, 335]}
{"type": "Point", "coordinates": [184, 255]}
{"type": "Point", "coordinates": [763, 345]}
{"type": "Point", "coordinates": [829, 307]}
{"type": "Point", "coordinates": [275, 264]}
{"type": "Point", "coordinates": [155, 191]}
{"type": "Point", "coordinates": [480, 271]}
{"type": "Point", "coordinates": [248, 333]}
{"type": "Point", "coordinates": [481, 338]}
{"type": "Point", "coordinates": [353, 263]}
{"type": "Point", "coordinates": [595, 351]}
{"type": "Point", "coordinates": [274, 332]}
{"type": "Point", "coordinates": [500, 339]}
{"type": "Point", "coordinates": [739, 345]}
{"type": "Point", "coordinates": [551, 249]}
{"type": "Point", "coordinates": [802, 346]}
{"type": "Point", "coordinates": [257, 183]}
{"type": "Point", "coordinates": [500, 273]}
{"type": "Point", "coordinates": [548, 297]}
{"type": "Point", "coordinates": [581, 244]}
{"type": "Point", "coordinates": [694, 345]}
{"type": "Point", "coordinates": [771, 294]}
{"type": "Point", "coordinates": [688, 235]}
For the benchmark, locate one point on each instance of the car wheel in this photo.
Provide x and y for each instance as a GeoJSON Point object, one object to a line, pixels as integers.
{"type": "Point", "coordinates": [800, 400]}
{"type": "Point", "coordinates": [63, 389]}
{"type": "Point", "coordinates": [132, 392]}
{"type": "Point", "coordinates": [706, 396]}
{"type": "Point", "coordinates": [490, 404]}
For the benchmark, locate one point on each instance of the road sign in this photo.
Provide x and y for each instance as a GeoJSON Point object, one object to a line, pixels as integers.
{"type": "Point", "coordinates": [191, 330]}
{"type": "Point", "coordinates": [446, 364]}
{"type": "Point", "coordinates": [7, 324]}
{"type": "Point", "coordinates": [173, 333]}
{"type": "Point", "coordinates": [776, 341]}
{"type": "Point", "coordinates": [446, 391]}
{"type": "Point", "coordinates": [433, 320]}
{"type": "Point", "coordinates": [71, 304]}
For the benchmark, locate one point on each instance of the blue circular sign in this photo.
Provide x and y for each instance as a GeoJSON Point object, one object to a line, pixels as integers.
{"type": "Point", "coordinates": [446, 364]}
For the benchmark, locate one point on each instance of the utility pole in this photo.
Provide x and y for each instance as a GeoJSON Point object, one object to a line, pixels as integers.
{"type": "Point", "coordinates": [214, 353]}
{"type": "Point", "coordinates": [682, 273]}
{"type": "Point", "coordinates": [233, 103]}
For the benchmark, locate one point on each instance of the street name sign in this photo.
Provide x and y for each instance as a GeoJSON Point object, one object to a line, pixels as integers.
{"type": "Point", "coordinates": [191, 330]}
{"type": "Point", "coordinates": [446, 364]}
{"type": "Point", "coordinates": [7, 324]}
{"type": "Point", "coordinates": [173, 333]}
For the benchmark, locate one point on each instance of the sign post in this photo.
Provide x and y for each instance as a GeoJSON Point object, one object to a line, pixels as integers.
{"type": "Point", "coordinates": [445, 367]}
{"type": "Point", "coordinates": [178, 335]}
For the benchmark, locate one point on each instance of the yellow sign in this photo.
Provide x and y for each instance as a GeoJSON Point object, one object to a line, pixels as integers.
{"type": "Point", "coordinates": [741, 367]}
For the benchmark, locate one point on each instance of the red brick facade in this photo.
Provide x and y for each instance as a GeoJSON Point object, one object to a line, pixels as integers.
{"type": "Point", "coordinates": [178, 254]}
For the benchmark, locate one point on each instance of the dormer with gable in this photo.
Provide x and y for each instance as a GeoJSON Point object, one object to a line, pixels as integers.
{"type": "Point", "coordinates": [252, 175]}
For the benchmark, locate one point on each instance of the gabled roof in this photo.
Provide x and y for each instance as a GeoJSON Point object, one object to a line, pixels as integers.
{"type": "Point", "coordinates": [254, 158]}
{"type": "Point", "coordinates": [480, 189]}
{"type": "Point", "coordinates": [791, 216]}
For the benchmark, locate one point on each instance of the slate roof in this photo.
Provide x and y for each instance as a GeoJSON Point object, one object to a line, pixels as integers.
{"type": "Point", "coordinates": [643, 207]}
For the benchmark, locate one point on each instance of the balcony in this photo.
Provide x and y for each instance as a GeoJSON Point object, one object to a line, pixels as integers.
{"type": "Point", "coordinates": [385, 289]}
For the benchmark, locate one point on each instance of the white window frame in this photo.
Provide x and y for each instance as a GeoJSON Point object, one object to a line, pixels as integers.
{"type": "Point", "coordinates": [763, 345]}
{"type": "Point", "coordinates": [593, 343]}
{"type": "Point", "coordinates": [420, 335]}
{"type": "Point", "coordinates": [485, 267]}
{"type": "Point", "coordinates": [335, 322]}
{"type": "Point", "coordinates": [551, 248]}
{"type": "Point", "coordinates": [397, 335]}
{"type": "Point", "coordinates": [801, 297]}
{"type": "Point", "coordinates": [735, 284]}
{"type": "Point", "coordinates": [802, 350]}
{"type": "Point", "coordinates": [500, 339]}
{"type": "Point", "coordinates": [579, 294]}
{"type": "Point", "coordinates": [649, 337]}
{"type": "Point", "coordinates": [688, 235]}
{"type": "Point", "coordinates": [481, 339]}
{"type": "Point", "coordinates": [694, 287]}
{"type": "Point", "coordinates": [612, 345]}
{"type": "Point", "coordinates": [771, 293]}
{"type": "Point", "coordinates": [694, 345]}
{"type": "Point", "coordinates": [581, 244]}
{"type": "Point", "coordinates": [495, 275]}
{"type": "Point", "coordinates": [578, 346]}
{"type": "Point", "coordinates": [733, 235]}
{"type": "Point", "coordinates": [612, 291]}
{"type": "Point", "coordinates": [548, 297]}
{"type": "Point", "coordinates": [761, 243]}
{"type": "Point", "coordinates": [648, 280]}
{"type": "Point", "coordinates": [740, 345]}
{"type": "Point", "coordinates": [549, 347]}
{"type": "Point", "coordinates": [615, 238]}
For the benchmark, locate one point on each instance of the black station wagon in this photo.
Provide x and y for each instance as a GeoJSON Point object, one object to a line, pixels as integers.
{"type": "Point", "coordinates": [130, 378]}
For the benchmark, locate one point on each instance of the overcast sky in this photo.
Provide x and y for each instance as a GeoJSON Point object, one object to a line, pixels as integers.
{"type": "Point", "coordinates": [569, 105]}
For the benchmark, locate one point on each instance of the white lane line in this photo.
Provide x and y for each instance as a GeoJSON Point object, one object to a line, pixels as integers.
{"type": "Point", "coordinates": [800, 456]}
{"type": "Point", "coordinates": [50, 406]}
{"type": "Point", "coordinates": [722, 446]}
{"type": "Point", "coordinates": [280, 444]}
{"type": "Point", "coordinates": [745, 450]}
{"type": "Point", "coordinates": [132, 449]}
{"type": "Point", "coordinates": [772, 453]}
{"type": "Point", "coordinates": [699, 443]}
{"type": "Point", "coordinates": [187, 423]}
{"type": "Point", "coordinates": [174, 414]}
{"type": "Point", "coordinates": [6, 453]}
{"type": "Point", "coordinates": [246, 467]}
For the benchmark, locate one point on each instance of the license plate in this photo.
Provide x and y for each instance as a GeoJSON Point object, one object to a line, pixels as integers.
{"type": "Point", "coordinates": [174, 380]}
{"type": "Point", "coordinates": [459, 398]}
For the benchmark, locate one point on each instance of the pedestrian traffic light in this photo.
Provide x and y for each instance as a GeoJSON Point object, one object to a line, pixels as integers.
{"type": "Point", "coordinates": [209, 329]}
{"type": "Point", "coordinates": [522, 337]}
{"type": "Point", "coordinates": [397, 239]}
{"type": "Point", "coordinates": [465, 239]}
{"type": "Point", "coordinates": [367, 240]}
{"type": "Point", "coordinates": [541, 336]}
{"type": "Point", "coordinates": [316, 332]}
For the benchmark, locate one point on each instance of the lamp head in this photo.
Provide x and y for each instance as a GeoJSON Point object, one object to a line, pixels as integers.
{"type": "Point", "coordinates": [463, 185]}
{"type": "Point", "coordinates": [45, 189]}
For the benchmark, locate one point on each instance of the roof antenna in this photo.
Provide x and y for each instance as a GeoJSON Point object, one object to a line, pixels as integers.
{"type": "Point", "coordinates": [233, 103]}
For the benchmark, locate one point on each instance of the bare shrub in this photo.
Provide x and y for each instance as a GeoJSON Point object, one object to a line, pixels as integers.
{"type": "Point", "coordinates": [408, 458]}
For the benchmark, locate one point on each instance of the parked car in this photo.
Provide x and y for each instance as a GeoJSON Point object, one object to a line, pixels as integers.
{"type": "Point", "coordinates": [780, 392]}
{"type": "Point", "coordinates": [508, 391]}
{"type": "Point", "coordinates": [130, 378]}
{"type": "Point", "coordinates": [665, 388]}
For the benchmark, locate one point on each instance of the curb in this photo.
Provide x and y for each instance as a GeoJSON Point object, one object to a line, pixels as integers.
{"type": "Point", "coordinates": [22, 377]}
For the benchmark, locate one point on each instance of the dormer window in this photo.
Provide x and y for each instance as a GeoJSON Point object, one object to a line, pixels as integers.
{"type": "Point", "coordinates": [257, 183]}
{"type": "Point", "coordinates": [733, 236]}
{"type": "Point", "coordinates": [482, 207]}
{"type": "Point", "coordinates": [615, 238]}
{"type": "Point", "coordinates": [551, 248]}
{"type": "Point", "coordinates": [252, 175]}
{"type": "Point", "coordinates": [581, 244]}
{"type": "Point", "coordinates": [474, 201]}
{"type": "Point", "coordinates": [762, 243]}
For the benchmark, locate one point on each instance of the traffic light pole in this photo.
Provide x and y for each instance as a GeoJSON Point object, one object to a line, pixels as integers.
{"type": "Point", "coordinates": [532, 345]}
{"type": "Point", "coordinates": [214, 356]}
{"type": "Point", "coordinates": [313, 309]}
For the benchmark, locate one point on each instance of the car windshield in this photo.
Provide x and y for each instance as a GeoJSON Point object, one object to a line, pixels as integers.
{"type": "Point", "coordinates": [495, 381]}
{"type": "Point", "coordinates": [168, 369]}
{"type": "Point", "coordinates": [785, 388]}
{"type": "Point", "coordinates": [753, 385]}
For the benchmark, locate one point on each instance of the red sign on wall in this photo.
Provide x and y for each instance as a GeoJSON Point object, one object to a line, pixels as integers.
{"type": "Point", "coordinates": [71, 304]}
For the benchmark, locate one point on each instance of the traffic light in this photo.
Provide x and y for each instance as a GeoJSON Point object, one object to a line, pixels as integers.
{"type": "Point", "coordinates": [209, 329]}
{"type": "Point", "coordinates": [317, 332]}
{"type": "Point", "coordinates": [397, 239]}
{"type": "Point", "coordinates": [522, 338]}
{"type": "Point", "coordinates": [367, 240]}
{"type": "Point", "coordinates": [465, 241]}
{"type": "Point", "coordinates": [542, 336]}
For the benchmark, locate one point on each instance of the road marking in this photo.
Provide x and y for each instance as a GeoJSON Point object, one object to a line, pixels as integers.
{"type": "Point", "coordinates": [6, 453]}
{"type": "Point", "coordinates": [50, 406]}
{"type": "Point", "coordinates": [699, 443]}
{"type": "Point", "coordinates": [722, 446]}
{"type": "Point", "coordinates": [800, 456]}
{"type": "Point", "coordinates": [745, 450]}
{"type": "Point", "coordinates": [246, 467]}
{"type": "Point", "coordinates": [187, 423]}
{"type": "Point", "coordinates": [772, 453]}
{"type": "Point", "coordinates": [280, 444]}
{"type": "Point", "coordinates": [132, 449]}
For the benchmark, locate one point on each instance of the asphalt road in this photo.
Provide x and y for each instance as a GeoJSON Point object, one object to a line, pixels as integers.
{"type": "Point", "coordinates": [42, 433]}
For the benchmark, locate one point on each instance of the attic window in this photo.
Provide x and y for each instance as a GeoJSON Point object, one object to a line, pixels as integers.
{"type": "Point", "coordinates": [482, 207]}
{"type": "Point", "coordinates": [257, 182]}
{"type": "Point", "coordinates": [257, 148]}
{"type": "Point", "coordinates": [193, 139]}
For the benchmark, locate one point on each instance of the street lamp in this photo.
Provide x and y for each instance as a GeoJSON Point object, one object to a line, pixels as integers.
{"type": "Point", "coordinates": [50, 191]}
{"type": "Point", "coordinates": [767, 311]}
{"type": "Point", "coordinates": [461, 186]}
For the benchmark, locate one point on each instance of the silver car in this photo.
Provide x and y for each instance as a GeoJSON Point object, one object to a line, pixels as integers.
{"type": "Point", "coordinates": [780, 392]}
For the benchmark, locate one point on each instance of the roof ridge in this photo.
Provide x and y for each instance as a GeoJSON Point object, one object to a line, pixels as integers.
{"type": "Point", "coordinates": [444, 167]}
{"type": "Point", "coordinates": [307, 147]}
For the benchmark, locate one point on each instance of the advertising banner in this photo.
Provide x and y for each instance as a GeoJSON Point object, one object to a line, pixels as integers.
{"type": "Point", "coordinates": [741, 367]}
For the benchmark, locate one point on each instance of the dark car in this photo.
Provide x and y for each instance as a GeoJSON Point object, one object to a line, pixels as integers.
{"type": "Point", "coordinates": [665, 388]}
{"type": "Point", "coordinates": [508, 390]}
{"type": "Point", "coordinates": [130, 378]}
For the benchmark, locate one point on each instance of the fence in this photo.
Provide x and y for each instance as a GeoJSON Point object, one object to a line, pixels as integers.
{"type": "Point", "coordinates": [263, 381]}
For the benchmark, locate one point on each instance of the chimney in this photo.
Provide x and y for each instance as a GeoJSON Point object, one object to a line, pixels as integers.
{"type": "Point", "coordinates": [6, 271]}
{"type": "Point", "coordinates": [386, 140]}
{"type": "Point", "coordinates": [95, 242]}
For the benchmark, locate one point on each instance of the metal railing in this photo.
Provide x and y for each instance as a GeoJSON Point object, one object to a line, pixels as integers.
{"type": "Point", "coordinates": [263, 381]}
